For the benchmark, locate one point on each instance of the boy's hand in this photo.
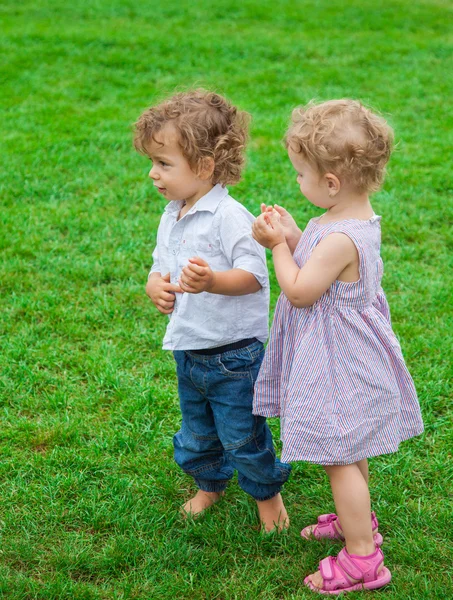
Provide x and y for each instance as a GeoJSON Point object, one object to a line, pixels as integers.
{"type": "Point", "coordinates": [162, 293]}
{"type": "Point", "coordinates": [267, 230]}
{"type": "Point", "coordinates": [197, 276]}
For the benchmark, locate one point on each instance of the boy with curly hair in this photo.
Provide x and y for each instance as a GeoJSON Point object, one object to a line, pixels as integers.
{"type": "Point", "coordinates": [210, 277]}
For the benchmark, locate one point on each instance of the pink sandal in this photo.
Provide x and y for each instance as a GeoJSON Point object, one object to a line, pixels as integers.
{"type": "Point", "coordinates": [349, 572]}
{"type": "Point", "coordinates": [325, 528]}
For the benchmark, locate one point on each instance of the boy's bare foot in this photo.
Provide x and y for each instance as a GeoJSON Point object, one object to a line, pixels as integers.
{"type": "Point", "coordinates": [200, 502]}
{"type": "Point", "coordinates": [273, 514]}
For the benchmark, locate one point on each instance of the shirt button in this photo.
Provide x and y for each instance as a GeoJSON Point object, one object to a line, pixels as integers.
{"type": "Point", "coordinates": [174, 251]}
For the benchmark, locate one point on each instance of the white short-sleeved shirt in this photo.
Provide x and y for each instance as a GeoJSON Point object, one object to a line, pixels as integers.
{"type": "Point", "coordinates": [217, 229]}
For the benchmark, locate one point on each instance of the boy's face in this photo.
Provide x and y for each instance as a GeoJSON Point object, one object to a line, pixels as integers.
{"type": "Point", "coordinates": [312, 185]}
{"type": "Point", "coordinates": [171, 172]}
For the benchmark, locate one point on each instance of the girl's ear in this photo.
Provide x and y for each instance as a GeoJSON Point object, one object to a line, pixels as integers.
{"type": "Point", "coordinates": [333, 184]}
{"type": "Point", "coordinates": [206, 168]}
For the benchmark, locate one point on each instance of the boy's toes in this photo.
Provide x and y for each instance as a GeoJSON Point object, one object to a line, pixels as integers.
{"type": "Point", "coordinates": [273, 515]}
{"type": "Point", "coordinates": [200, 502]}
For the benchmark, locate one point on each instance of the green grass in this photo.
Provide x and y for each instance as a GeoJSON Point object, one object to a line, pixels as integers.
{"type": "Point", "coordinates": [89, 490]}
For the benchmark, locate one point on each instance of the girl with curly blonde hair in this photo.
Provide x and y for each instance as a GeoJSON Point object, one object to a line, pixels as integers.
{"type": "Point", "coordinates": [333, 369]}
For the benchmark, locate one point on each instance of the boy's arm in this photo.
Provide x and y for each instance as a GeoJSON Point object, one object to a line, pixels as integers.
{"type": "Point", "coordinates": [199, 277]}
{"type": "Point", "coordinates": [159, 289]}
{"type": "Point", "coordinates": [162, 292]}
{"type": "Point", "coordinates": [247, 259]}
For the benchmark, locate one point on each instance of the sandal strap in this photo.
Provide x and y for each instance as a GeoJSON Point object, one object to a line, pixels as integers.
{"type": "Point", "coordinates": [345, 571]}
{"type": "Point", "coordinates": [327, 518]}
{"type": "Point", "coordinates": [326, 527]}
{"type": "Point", "coordinates": [333, 576]}
{"type": "Point", "coordinates": [348, 565]}
{"type": "Point", "coordinates": [374, 521]}
{"type": "Point", "coordinates": [326, 567]}
{"type": "Point", "coordinates": [362, 568]}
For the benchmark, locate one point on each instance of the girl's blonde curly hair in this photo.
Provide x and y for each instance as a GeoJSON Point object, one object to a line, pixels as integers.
{"type": "Point", "coordinates": [345, 138]}
{"type": "Point", "coordinates": [208, 126]}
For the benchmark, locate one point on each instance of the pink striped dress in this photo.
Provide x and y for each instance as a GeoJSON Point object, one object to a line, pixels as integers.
{"type": "Point", "coordinates": [333, 372]}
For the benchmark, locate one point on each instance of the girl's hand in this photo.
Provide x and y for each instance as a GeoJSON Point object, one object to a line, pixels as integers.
{"type": "Point", "coordinates": [267, 230]}
{"type": "Point", "coordinates": [197, 276]}
{"type": "Point", "coordinates": [289, 225]}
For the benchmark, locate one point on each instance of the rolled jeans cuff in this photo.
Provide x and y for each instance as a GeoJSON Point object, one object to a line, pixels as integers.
{"type": "Point", "coordinates": [210, 486]}
{"type": "Point", "coordinates": [269, 496]}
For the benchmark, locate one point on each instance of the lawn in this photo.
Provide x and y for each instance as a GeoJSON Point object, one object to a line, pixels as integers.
{"type": "Point", "coordinates": [90, 494]}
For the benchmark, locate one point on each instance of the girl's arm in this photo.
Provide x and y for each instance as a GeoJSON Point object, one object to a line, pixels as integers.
{"type": "Point", "coordinates": [328, 260]}
{"type": "Point", "coordinates": [289, 225]}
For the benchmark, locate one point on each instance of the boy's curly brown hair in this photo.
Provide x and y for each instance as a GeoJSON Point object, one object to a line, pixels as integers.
{"type": "Point", "coordinates": [208, 125]}
{"type": "Point", "coordinates": [345, 138]}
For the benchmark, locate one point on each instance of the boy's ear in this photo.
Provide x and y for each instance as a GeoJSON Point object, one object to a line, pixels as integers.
{"type": "Point", "coordinates": [206, 168]}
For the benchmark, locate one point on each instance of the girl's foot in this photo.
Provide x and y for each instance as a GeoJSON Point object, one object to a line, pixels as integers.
{"type": "Point", "coordinates": [349, 572]}
{"type": "Point", "coordinates": [273, 515]}
{"type": "Point", "coordinates": [328, 526]}
{"type": "Point", "coordinates": [200, 502]}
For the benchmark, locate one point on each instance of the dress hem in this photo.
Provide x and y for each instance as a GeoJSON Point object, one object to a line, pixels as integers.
{"type": "Point", "coordinates": [293, 457]}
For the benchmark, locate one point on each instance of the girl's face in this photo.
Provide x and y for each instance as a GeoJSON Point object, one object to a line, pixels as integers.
{"type": "Point", "coordinates": [313, 185]}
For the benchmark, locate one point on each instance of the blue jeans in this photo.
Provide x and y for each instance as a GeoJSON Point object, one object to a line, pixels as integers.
{"type": "Point", "coordinates": [219, 433]}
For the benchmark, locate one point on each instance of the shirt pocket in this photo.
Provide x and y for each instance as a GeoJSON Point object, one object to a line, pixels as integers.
{"type": "Point", "coordinates": [201, 246]}
{"type": "Point", "coordinates": [207, 250]}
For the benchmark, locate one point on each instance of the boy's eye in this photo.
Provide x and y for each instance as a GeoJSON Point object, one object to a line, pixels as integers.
{"type": "Point", "coordinates": [162, 163]}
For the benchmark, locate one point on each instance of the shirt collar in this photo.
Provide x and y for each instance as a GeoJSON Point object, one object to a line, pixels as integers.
{"type": "Point", "coordinates": [209, 201]}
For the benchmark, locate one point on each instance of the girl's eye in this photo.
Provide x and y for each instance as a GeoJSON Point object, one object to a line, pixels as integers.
{"type": "Point", "coordinates": [164, 164]}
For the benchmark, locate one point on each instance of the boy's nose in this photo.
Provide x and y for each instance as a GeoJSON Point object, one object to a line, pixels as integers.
{"type": "Point", "coordinates": [153, 174]}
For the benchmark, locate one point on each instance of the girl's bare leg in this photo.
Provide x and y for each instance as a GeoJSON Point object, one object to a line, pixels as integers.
{"type": "Point", "coordinates": [352, 503]}
{"type": "Point", "coordinates": [363, 467]}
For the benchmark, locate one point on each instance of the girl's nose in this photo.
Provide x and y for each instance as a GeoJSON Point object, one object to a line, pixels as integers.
{"type": "Point", "coordinates": [153, 174]}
